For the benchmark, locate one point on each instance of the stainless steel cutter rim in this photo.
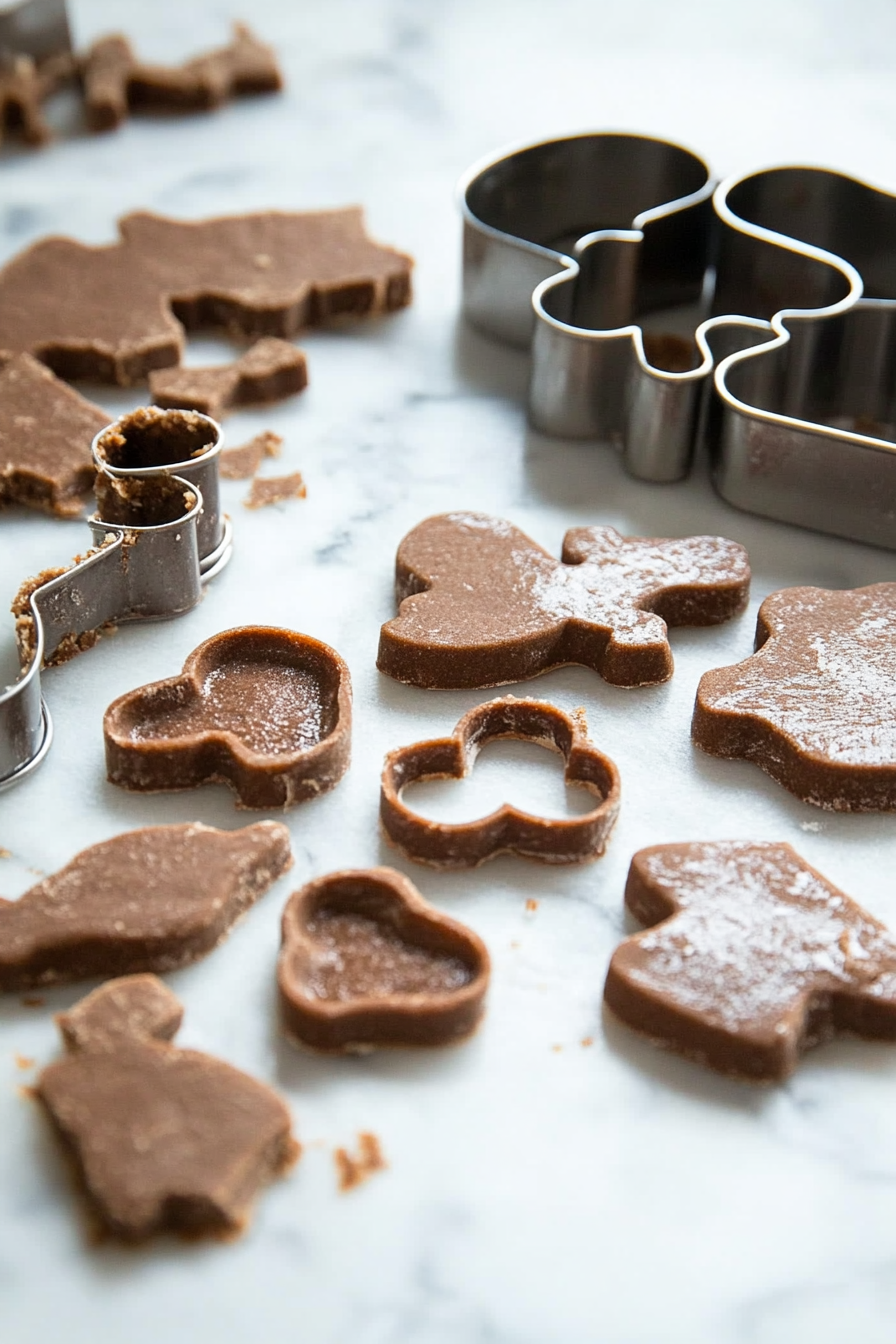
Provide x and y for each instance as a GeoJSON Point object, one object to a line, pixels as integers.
{"type": "Point", "coordinates": [211, 565]}
{"type": "Point", "coordinates": [816, 427]}
{"type": "Point", "coordinates": [774, 325]}
{"type": "Point", "coordinates": [24, 717]}
{"type": "Point", "coordinates": [210, 451]}
{"type": "Point", "coordinates": [95, 522]}
{"type": "Point", "coordinates": [115, 534]}
{"type": "Point", "coordinates": [564, 259]}
{"type": "Point", "coordinates": [33, 761]}
{"type": "Point", "coordinates": [778, 322]}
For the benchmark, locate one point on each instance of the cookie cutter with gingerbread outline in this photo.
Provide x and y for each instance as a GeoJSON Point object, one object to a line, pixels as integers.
{"type": "Point", "coordinates": [34, 29]}
{"type": "Point", "coordinates": [158, 537]}
{"type": "Point", "coordinates": [578, 246]}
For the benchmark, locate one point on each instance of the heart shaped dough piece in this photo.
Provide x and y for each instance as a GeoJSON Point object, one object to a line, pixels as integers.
{"type": "Point", "coordinates": [367, 962]}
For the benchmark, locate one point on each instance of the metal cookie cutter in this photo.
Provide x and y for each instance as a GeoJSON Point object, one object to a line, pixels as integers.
{"type": "Point", "coordinates": [35, 28]}
{"type": "Point", "coordinates": [158, 536]}
{"type": "Point", "coordinates": [599, 249]}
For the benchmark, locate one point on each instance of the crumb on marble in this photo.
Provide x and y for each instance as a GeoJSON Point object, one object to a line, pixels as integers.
{"type": "Point", "coordinates": [353, 1170]}
{"type": "Point", "coordinates": [531, 906]}
{"type": "Point", "coordinates": [23, 1061]}
{"type": "Point", "coordinates": [243, 462]}
{"type": "Point", "coordinates": [275, 490]}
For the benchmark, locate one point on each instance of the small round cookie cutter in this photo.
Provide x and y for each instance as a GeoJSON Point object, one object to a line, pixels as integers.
{"type": "Point", "coordinates": [158, 537]}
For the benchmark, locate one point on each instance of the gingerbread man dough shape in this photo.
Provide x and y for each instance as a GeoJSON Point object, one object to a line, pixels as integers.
{"type": "Point", "coordinates": [752, 956]}
{"type": "Point", "coordinates": [481, 604]}
{"type": "Point", "coordinates": [815, 706]}
{"type": "Point", "coordinates": [164, 1139]}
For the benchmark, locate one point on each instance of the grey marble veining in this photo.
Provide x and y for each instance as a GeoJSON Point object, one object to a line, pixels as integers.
{"type": "Point", "coordinates": [539, 1189]}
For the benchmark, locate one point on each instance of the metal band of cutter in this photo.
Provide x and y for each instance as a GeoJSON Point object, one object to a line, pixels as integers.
{"type": "Point", "coordinates": [34, 28]}
{"type": "Point", "coordinates": [138, 571]}
{"type": "Point", "coordinates": [570, 244]}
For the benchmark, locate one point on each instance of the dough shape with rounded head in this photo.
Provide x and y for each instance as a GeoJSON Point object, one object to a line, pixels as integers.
{"type": "Point", "coordinates": [481, 604]}
{"type": "Point", "coordinates": [815, 705]}
{"type": "Point", "coordinates": [147, 900]}
{"type": "Point", "coordinates": [367, 962]}
{"type": "Point", "coordinates": [507, 830]}
{"type": "Point", "coordinates": [750, 957]}
{"type": "Point", "coordinates": [264, 710]}
{"type": "Point", "coordinates": [163, 1139]}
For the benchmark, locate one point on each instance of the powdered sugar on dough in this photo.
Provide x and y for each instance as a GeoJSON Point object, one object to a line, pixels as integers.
{"type": "Point", "coordinates": [468, 582]}
{"type": "Point", "coordinates": [757, 932]}
{"type": "Point", "coordinates": [826, 677]}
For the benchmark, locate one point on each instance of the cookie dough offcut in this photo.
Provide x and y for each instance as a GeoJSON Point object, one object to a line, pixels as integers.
{"type": "Point", "coordinates": [46, 429]}
{"type": "Point", "coordinates": [152, 899]}
{"type": "Point", "coordinates": [115, 313]}
{"type": "Point", "coordinates": [163, 1139]}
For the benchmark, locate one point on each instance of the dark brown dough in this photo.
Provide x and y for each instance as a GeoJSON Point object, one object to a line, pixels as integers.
{"type": "Point", "coordinates": [815, 706]}
{"type": "Point", "coordinates": [269, 370]}
{"type": "Point", "coordinates": [366, 962]}
{"type": "Point", "coordinates": [481, 604]}
{"type": "Point", "coordinates": [264, 710]}
{"type": "Point", "coordinates": [46, 429]}
{"type": "Point", "coordinates": [163, 1139]}
{"type": "Point", "coordinates": [752, 956]}
{"type": "Point", "coordinates": [117, 83]}
{"type": "Point", "coordinates": [148, 900]}
{"type": "Point", "coordinates": [508, 830]}
{"type": "Point", "coordinates": [116, 312]}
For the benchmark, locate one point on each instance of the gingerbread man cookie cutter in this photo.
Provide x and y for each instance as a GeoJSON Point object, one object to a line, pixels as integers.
{"type": "Point", "coordinates": [578, 246]}
{"type": "Point", "coordinates": [35, 29]}
{"type": "Point", "coordinates": [158, 537]}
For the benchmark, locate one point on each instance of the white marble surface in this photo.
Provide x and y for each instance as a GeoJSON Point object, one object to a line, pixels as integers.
{"type": "Point", "coordinates": [538, 1190]}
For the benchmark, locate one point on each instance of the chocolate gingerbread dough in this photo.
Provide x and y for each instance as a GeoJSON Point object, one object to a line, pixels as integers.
{"type": "Point", "coordinates": [163, 1139]}
{"type": "Point", "coordinates": [46, 429]}
{"type": "Point", "coordinates": [750, 957]}
{"type": "Point", "coordinates": [481, 604]}
{"type": "Point", "coordinates": [269, 371]}
{"type": "Point", "coordinates": [367, 962]}
{"type": "Point", "coordinates": [507, 830]}
{"type": "Point", "coordinates": [815, 706]}
{"type": "Point", "coordinates": [116, 83]}
{"type": "Point", "coordinates": [152, 899]}
{"type": "Point", "coordinates": [241, 463]}
{"type": "Point", "coordinates": [264, 710]}
{"type": "Point", "coordinates": [114, 313]}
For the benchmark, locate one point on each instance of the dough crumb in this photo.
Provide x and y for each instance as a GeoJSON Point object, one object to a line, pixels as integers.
{"type": "Point", "coordinates": [275, 489]}
{"type": "Point", "coordinates": [354, 1170]}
